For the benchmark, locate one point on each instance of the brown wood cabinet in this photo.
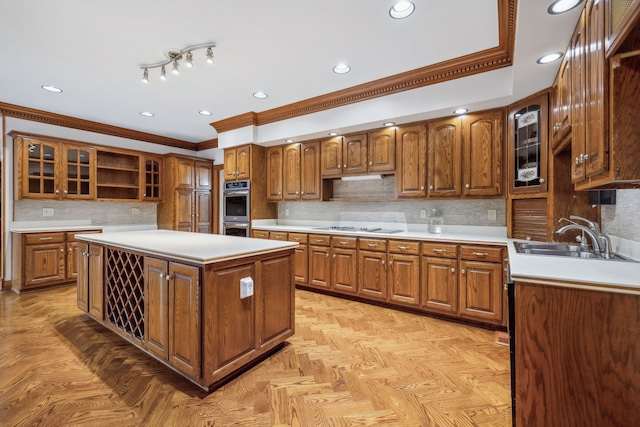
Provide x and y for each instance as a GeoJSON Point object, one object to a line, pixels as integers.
{"type": "Point", "coordinates": [237, 163]}
{"type": "Point", "coordinates": [187, 198]}
{"type": "Point", "coordinates": [320, 261]}
{"type": "Point", "coordinates": [481, 287]}
{"type": "Point", "coordinates": [439, 281]}
{"type": "Point", "coordinates": [172, 313]}
{"type": "Point", "coordinates": [359, 154]}
{"type": "Point", "coordinates": [301, 257]}
{"type": "Point", "coordinates": [344, 264]}
{"type": "Point", "coordinates": [465, 156]}
{"type": "Point", "coordinates": [404, 273]}
{"type": "Point", "coordinates": [411, 155]}
{"type": "Point", "coordinates": [293, 172]}
{"type": "Point", "coordinates": [576, 356]}
{"type": "Point", "coordinates": [372, 266]}
{"type": "Point", "coordinates": [331, 157]}
{"type": "Point", "coordinates": [44, 259]}
{"type": "Point", "coordinates": [561, 101]}
{"type": "Point", "coordinates": [275, 164]}
{"type": "Point", "coordinates": [90, 279]}
{"type": "Point", "coordinates": [152, 178]}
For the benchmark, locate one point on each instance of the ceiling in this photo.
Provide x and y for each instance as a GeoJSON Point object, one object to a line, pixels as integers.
{"type": "Point", "coordinates": [286, 48]}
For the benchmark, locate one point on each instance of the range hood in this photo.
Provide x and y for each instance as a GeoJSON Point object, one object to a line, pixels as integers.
{"type": "Point", "coordinates": [360, 177]}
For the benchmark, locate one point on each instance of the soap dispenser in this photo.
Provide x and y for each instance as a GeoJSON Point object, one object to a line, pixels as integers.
{"type": "Point", "coordinates": [435, 221]}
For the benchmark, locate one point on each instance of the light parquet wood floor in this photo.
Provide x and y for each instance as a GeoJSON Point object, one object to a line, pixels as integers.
{"type": "Point", "coordinates": [349, 364]}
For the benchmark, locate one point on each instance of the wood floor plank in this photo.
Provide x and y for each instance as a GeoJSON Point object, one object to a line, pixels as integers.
{"type": "Point", "coordinates": [349, 364]}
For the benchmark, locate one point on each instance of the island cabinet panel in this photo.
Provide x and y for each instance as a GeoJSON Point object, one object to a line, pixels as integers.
{"type": "Point", "coordinates": [90, 279]}
{"type": "Point", "coordinates": [156, 325]}
{"type": "Point", "coordinates": [275, 314]}
{"type": "Point", "coordinates": [576, 356]}
{"type": "Point", "coordinates": [229, 321]}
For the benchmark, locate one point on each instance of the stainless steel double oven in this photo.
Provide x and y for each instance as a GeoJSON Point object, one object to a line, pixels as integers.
{"type": "Point", "coordinates": [236, 208]}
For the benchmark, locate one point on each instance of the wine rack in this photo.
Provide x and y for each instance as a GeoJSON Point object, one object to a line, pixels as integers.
{"type": "Point", "coordinates": [125, 292]}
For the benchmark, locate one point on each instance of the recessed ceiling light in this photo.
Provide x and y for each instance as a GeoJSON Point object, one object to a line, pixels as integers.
{"type": "Point", "coordinates": [260, 95]}
{"type": "Point", "coordinates": [387, 124]}
{"type": "Point", "coordinates": [549, 58]}
{"type": "Point", "coordinates": [402, 9]}
{"type": "Point", "coordinates": [460, 111]}
{"type": "Point", "coordinates": [205, 112]}
{"type": "Point", "coordinates": [562, 6]}
{"type": "Point", "coordinates": [51, 88]}
{"type": "Point", "coordinates": [333, 133]}
{"type": "Point", "coordinates": [147, 114]}
{"type": "Point", "coordinates": [341, 69]}
{"type": "Point", "coordinates": [289, 141]}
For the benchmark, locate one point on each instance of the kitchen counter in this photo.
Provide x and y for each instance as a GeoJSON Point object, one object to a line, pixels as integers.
{"type": "Point", "coordinates": [184, 246]}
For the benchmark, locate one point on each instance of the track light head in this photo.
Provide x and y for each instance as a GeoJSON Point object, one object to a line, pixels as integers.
{"type": "Point", "coordinates": [189, 60]}
{"type": "Point", "coordinates": [209, 55]}
{"type": "Point", "coordinates": [176, 69]}
{"type": "Point", "coordinates": [145, 76]}
{"type": "Point", "coordinates": [163, 74]}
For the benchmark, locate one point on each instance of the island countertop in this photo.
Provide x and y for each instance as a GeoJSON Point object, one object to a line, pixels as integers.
{"type": "Point", "coordinates": [192, 247]}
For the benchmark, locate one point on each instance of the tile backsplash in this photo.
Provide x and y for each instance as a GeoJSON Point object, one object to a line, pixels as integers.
{"type": "Point", "coordinates": [623, 219]}
{"type": "Point", "coordinates": [100, 213]}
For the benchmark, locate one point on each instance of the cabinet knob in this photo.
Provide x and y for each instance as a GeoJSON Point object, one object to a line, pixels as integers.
{"type": "Point", "coordinates": [161, 275]}
{"type": "Point", "coordinates": [279, 193]}
{"type": "Point", "coordinates": [431, 187]}
{"type": "Point", "coordinates": [541, 180]}
{"type": "Point", "coordinates": [467, 186]}
{"type": "Point", "coordinates": [70, 249]}
{"type": "Point", "coordinates": [370, 163]}
{"type": "Point", "coordinates": [326, 255]}
{"type": "Point", "coordinates": [297, 192]}
{"type": "Point", "coordinates": [61, 249]}
{"type": "Point", "coordinates": [302, 192]}
{"type": "Point", "coordinates": [334, 255]}
{"type": "Point", "coordinates": [66, 192]}
{"type": "Point", "coordinates": [422, 187]}
{"type": "Point", "coordinates": [168, 277]}
{"type": "Point", "coordinates": [462, 271]}
{"type": "Point", "coordinates": [382, 262]}
{"type": "Point", "coordinates": [339, 166]}
{"type": "Point", "coordinates": [345, 165]}
{"type": "Point", "coordinates": [57, 191]}
{"type": "Point", "coordinates": [453, 270]}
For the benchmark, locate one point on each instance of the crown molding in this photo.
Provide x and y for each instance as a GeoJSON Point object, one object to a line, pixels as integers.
{"type": "Point", "coordinates": [207, 144]}
{"type": "Point", "coordinates": [464, 66]}
{"type": "Point", "coordinates": [31, 114]}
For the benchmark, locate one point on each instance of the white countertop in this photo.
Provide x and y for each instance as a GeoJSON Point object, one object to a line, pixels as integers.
{"type": "Point", "coordinates": [51, 226]}
{"type": "Point", "coordinates": [191, 247]}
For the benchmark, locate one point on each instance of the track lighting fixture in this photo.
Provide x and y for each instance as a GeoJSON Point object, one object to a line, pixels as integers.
{"type": "Point", "coordinates": [174, 57]}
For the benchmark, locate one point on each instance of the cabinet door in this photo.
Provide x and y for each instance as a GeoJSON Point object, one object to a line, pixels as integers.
{"type": "Point", "coordinates": [156, 310]}
{"type": "Point", "coordinates": [78, 172]}
{"type": "Point", "coordinates": [243, 162]}
{"type": "Point", "coordinates": [331, 157]}
{"type": "Point", "coordinates": [203, 171]}
{"type": "Point", "coordinates": [562, 104]}
{"type": "Point", "coordinates": [184, 173]}
{"type": "Point", "coordinates": [184, 210]}
{"type": "Point", "coordinates": [274, 173]}
{"type": "Point", "coordinates": [482, 160]}
{"type": "Point", "coordinates": [301, 264]}
{"type": "Point", "coordinates": [382, 151]}
{"type": "Point", "coordinates": [411, 173]}
{"type": "Point", "coordinates": [319, 267]}
{"type": "Point", "coordinates": [83, 277]}
{"type": "Point", "coordinates": [578, 115]}
{"type": "Point", "coordinates": [230, 165]}
{"type": "Point", "coordinates": [95, 256]}
{"type": "Point", "coordinates": [291, 172]}
{"type": "Point", "coordinates": [404, 279]}
{"type": "Point", "coordinates": [372, 278]}
{"type": "Point", "coordinates": [45, 264]}
{"type": "Point", "coordinates": [344, 270]}
{"type": "Point", "coordinates": [481, 291]}
{"type": "Point", "coordinates": [276, 296]}
{"type": "Point", "coordinates": [204, 216]}
{"type": "Point", "coordinates": [444, 153]}
{"type": "Point", "coordinates": [39, 169]}
{"type": "Point", "coordinates": [184, 318]}
{"type": "Point", "coordinates": [354, 155]}
{"type": "Point", "coordinates": [310, 171]}
{"type": "Point", "coordinates": [152, 178]}
{"type": "Point", "coordinates": [439, 285]}
{"type": "Point", "coordinates": [72, 261]}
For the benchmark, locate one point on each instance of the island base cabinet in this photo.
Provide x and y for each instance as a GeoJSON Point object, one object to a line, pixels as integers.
{"type": "Point", "coordinates": [172, 313]}
{"type": "Point", "coordinates": [577, 354]}
{"type": "Point", "coordinates": [90, 279]}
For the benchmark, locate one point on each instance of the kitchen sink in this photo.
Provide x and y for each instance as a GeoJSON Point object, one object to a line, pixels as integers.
{"type": "Point", "coordinates": [563, 250]}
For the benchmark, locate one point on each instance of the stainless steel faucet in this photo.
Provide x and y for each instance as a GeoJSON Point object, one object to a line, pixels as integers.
{"type": "Point", "coordinates": [603, 239]}
{"type": "Point", "coordinates": [595, 239]}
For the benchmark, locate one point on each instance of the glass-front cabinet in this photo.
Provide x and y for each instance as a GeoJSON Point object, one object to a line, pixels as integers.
{"type": "Point", "coordinates": [152, 178]}
{"type": "Point", "coordinates": [528, 146]}
{"type": "Point", "coordinates": [39, 161]}
{"type": "Point", "coordinates": [77, 180]}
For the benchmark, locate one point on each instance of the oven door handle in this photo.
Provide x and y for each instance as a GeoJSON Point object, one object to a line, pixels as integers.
{"type": "Point", "coordinates": [236, 224]}
{"type": "Point", "coordinates": [236, 193]}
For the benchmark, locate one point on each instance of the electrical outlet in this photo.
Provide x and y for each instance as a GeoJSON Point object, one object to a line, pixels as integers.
{"type": "Point", "coordinates": [491, 214]}
{"type": "Point", "coordinates": [135, 211]}
{"type": "Point", "coordinates": [423, 213]}
{"type": "Point", "coordinates": [246, 287]}
{"type": "Point", "coordinates": [286, 212]}
{"type": "Point", "coordinates": [47, 211]}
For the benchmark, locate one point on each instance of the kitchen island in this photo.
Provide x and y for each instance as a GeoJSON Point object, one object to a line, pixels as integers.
{"type": "Point", "coordinates": [204, 305]}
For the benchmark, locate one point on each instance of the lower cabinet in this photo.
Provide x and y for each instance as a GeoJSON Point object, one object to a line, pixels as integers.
{"type": "Point", "coordinates": [172, 313]}
{"type": "Point", "coordinates": [404, 273]}
{"type": "Point", "coordinates": [301, 258]}
{"type": "Point", "coordinates": [439, 284]}
{"type": "Point", "coordinates": [90, 279]}
{"type": "Point", "coordinates": [372, 265]}
{"type": "Point", "coordinates": [344, 264]}
{"type": "Point", "coordinates": [319, 261]}
{"type": "Point", "coordinates": [481, 289]}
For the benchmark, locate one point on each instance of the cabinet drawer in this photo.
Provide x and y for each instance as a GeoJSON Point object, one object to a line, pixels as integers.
{"type": "Point", "coordinates": [402, 247]}
{"type": "Point", "coordinates": [298, 237]}
{"type": "Point", "coordinates": [442, 250]}
{"type": "Point", "coordinates": [319, 240]}
{"type": "Point", "coordinates": [71, 236]}
{"type": "Point", "coordinates": [481, 253]}
{"type": "Point", "coordinates": [259, 234]}
{"type": "Point", "coordinates": [278, 235]}
{"type": "Point", "coordinates": [344, 242]}
{"type": "Point", "coordinates": [379, 245]}
{"type": "Point", "coordinates": [31, 239]}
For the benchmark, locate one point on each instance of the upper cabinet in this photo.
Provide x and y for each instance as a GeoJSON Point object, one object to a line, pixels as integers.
{"type": "Point", "coordinates": [411, 154]}
{"type": "Point", "coordinates": [528, 145]}
{"type": "Point", "coordinates": [57, 169]}
{"type": "Point", "coordinates": [561, 110]}
{"type": "Point", "coordinates": [274, 173]}
{"type": "Point", "coordinates": [465, 156]}
{"type": "Point", "coordinates": [293, 172]}
{"type": "Point", "coordinates": [359, 154]}
{"type": "Point", "coordinates": [54, 170]}
{"type": "Point", "coordinates": [237, 163]}
{"type": "Point", "coordinates": [621, 18]}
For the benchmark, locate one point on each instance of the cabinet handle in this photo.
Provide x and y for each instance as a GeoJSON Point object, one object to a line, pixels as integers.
{"type": "Point", "coordinates": [480, 254]}
{"type": "Point", "coordinates": [372, 245]}
{"type": "Point", "coordinates": [57, 191]}
{"type": "Point", "coordinates": [70, 249]}
{"type": "Point", "coordinates": [279, 193]}
{"type": "Point", "coordinates": [345, 165]}
{"type": "Point", "coordinates": [403, 248]}
{"type": "Point", "coordinates": [439, 251]}
{"type": "Point", "coordinates": [277, 237]}
{"type": "Point", "coordinates": [453, 270]}
{"type": "Point", "coordinates": [344, 243]}
{"type": "Point", "coordinates": [302, 192]}
{"type": "Point", "coordinates": [66, 192]}
{"type": "Point", "coordinates": [297, 239]}
{"type": "Point", "coordinates": [46, 238]}
{"type": "Point", "coordinates": [319, 240]}
{"type": "Point", "coordinates": [506, 288]}
{"type": "Point", "coordinates": [297, 192]}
